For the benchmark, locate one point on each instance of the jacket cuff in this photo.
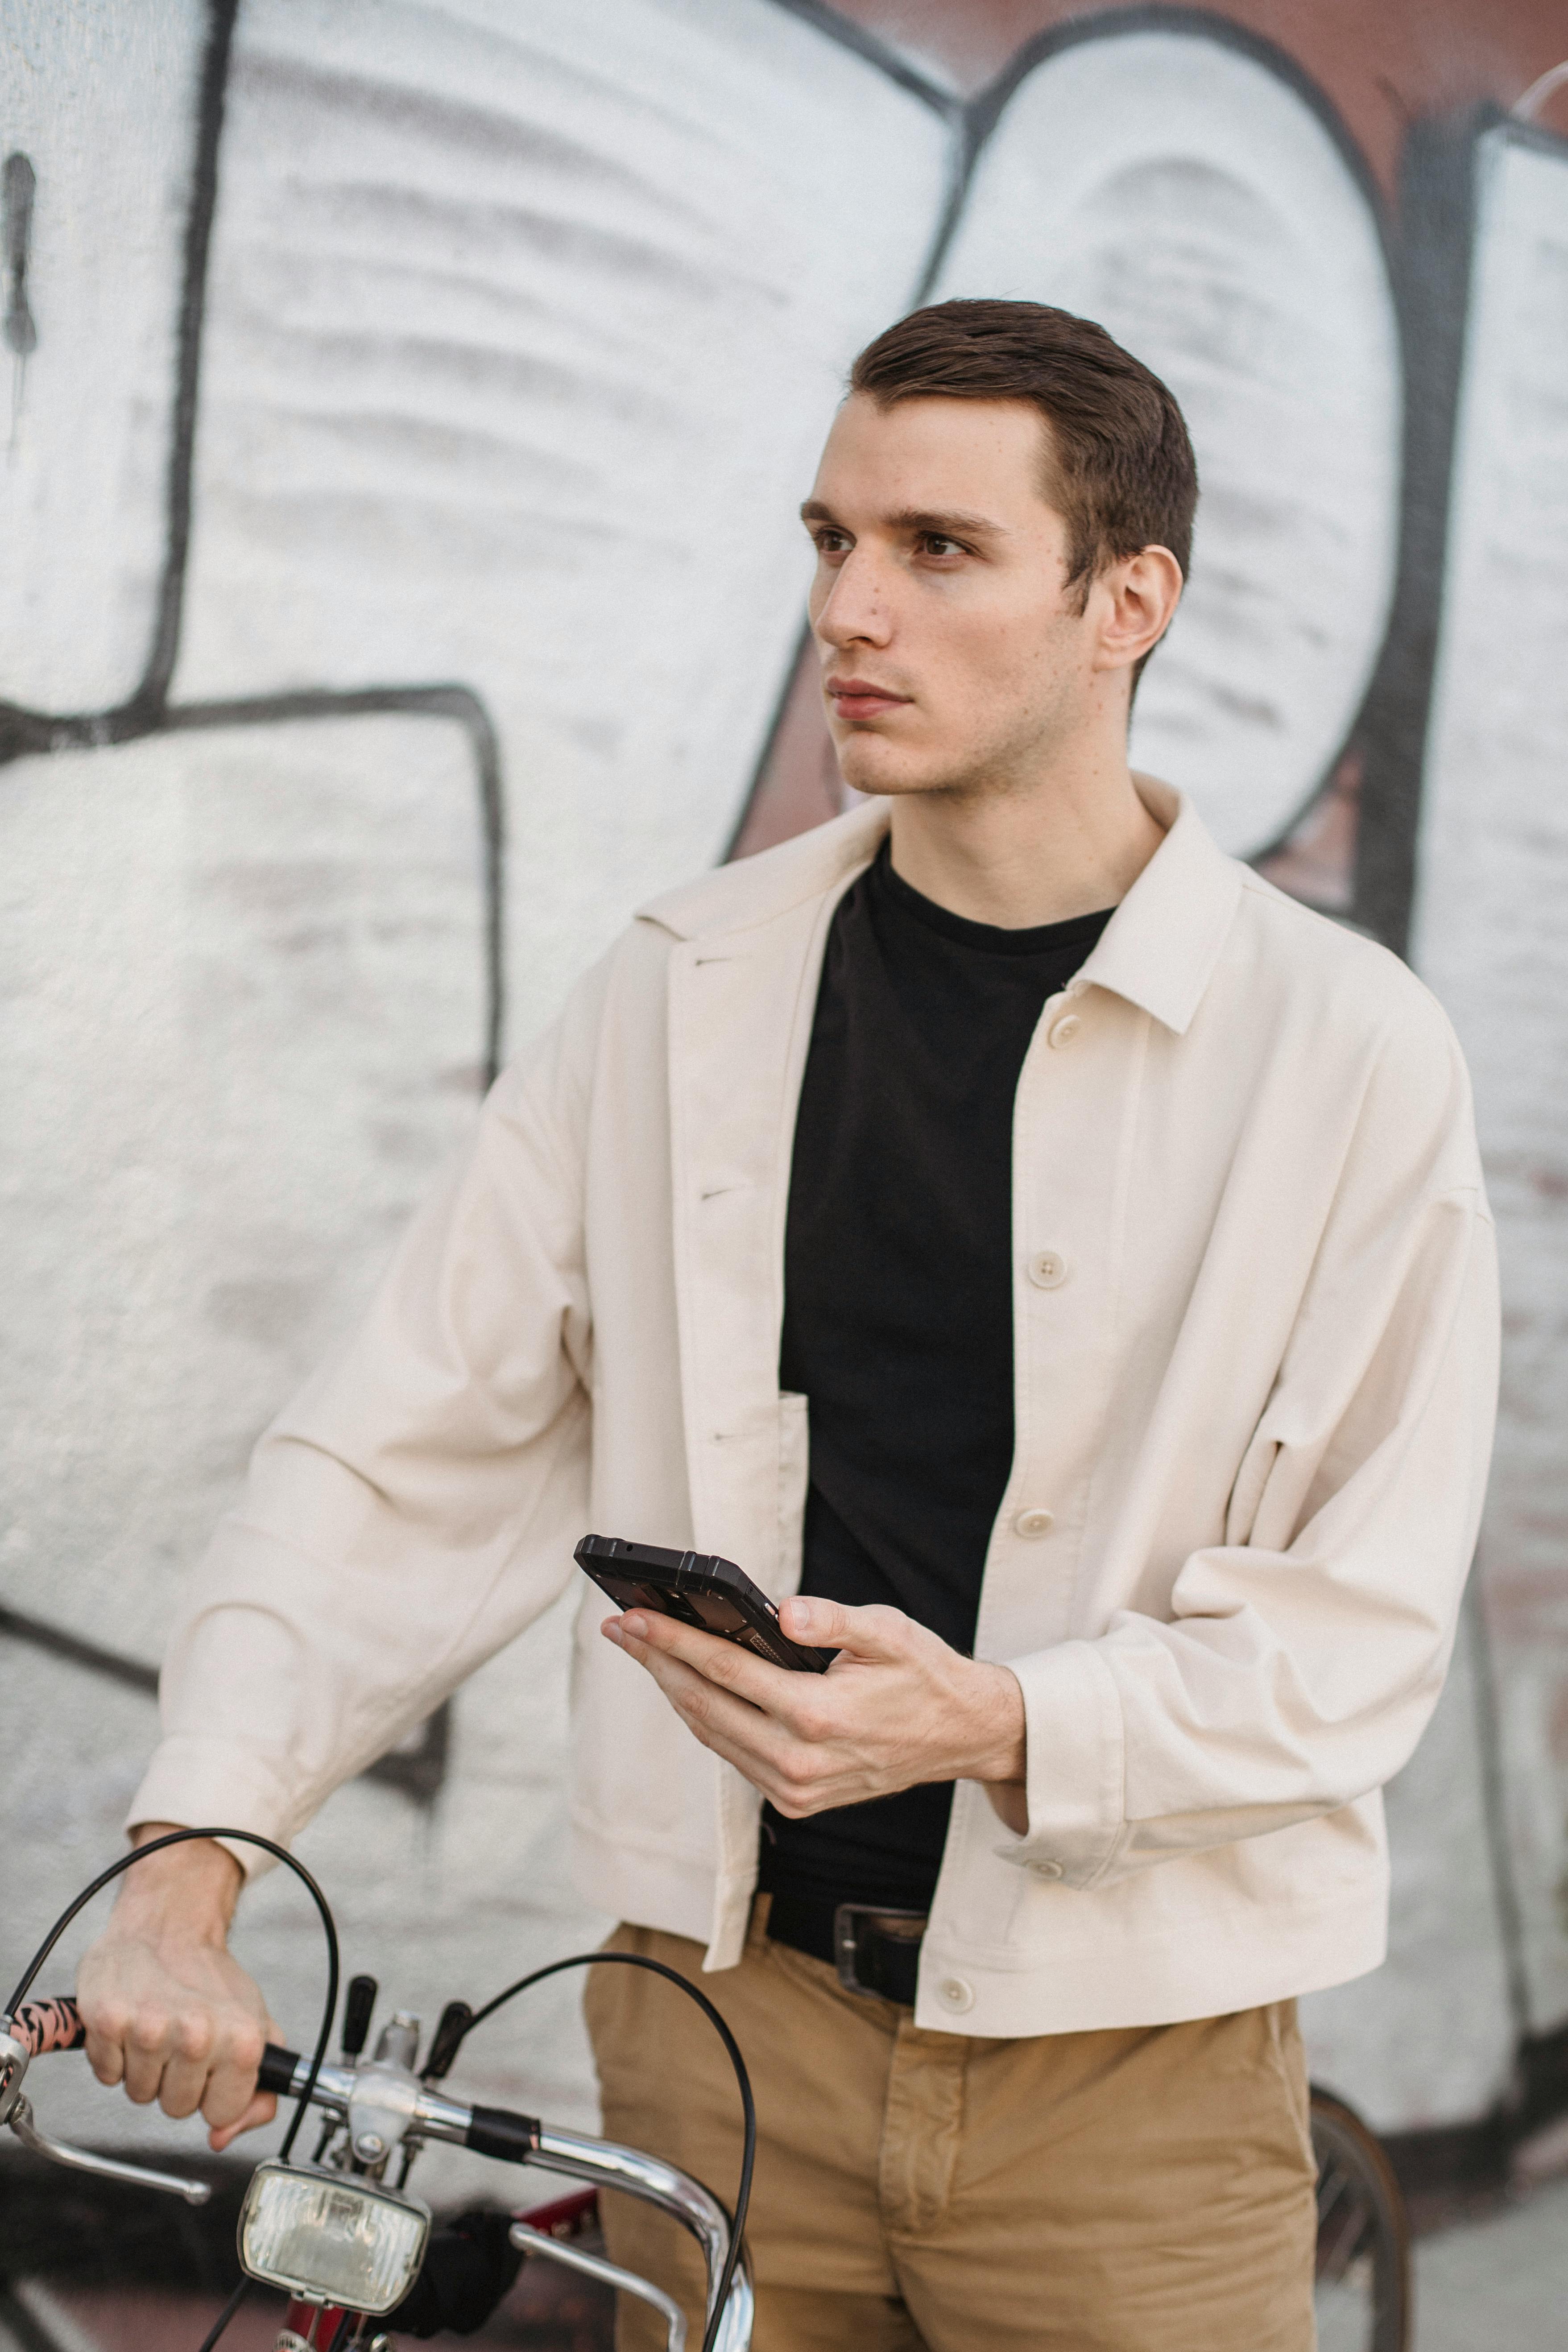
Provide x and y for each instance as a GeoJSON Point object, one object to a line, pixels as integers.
{"type": "Point", "coordinates": [1074, 1765]}
{"type": "Point", "coordinates": [199, 1783]}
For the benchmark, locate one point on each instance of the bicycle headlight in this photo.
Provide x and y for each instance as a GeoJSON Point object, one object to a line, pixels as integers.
{"type": "Point", "coordinates": [331, 2238]}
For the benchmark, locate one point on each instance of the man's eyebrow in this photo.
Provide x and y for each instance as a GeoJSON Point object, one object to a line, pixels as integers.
{"type": "Point", "coordinates": [955, 522]}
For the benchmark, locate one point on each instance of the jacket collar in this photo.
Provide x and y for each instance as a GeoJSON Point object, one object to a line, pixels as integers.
{"type": "Point", "coordinates": [1161, 946]}
{"type": "Point", "coordinates": [754, 889]}
{"type": "Point", "coordinates": [1158, 950]}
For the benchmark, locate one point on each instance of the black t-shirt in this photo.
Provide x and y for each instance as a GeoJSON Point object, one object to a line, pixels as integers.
{"type": "Point", "coordinates": [898, 1303]}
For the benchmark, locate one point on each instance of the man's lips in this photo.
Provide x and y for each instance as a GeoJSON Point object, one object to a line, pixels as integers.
{"type": "Point", "coordinates": [857, 697]}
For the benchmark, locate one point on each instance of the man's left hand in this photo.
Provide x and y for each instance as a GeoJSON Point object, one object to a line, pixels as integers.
{"type": "Point", "coordinates": [897, 1706]}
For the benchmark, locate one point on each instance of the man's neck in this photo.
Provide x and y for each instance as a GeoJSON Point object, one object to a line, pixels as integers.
{"type": "Point", "coordinates": [1070, 845]}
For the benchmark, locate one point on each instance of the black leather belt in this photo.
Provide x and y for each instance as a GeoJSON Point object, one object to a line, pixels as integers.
{"type": "Point", "coordinates": [875, 1950]}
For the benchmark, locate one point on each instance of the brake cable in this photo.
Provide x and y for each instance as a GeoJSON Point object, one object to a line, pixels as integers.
{"type": "Point", "coordinates": [330, 2007]}
{"type": "Point", "coordinates": [742, 2080]}
{"type": "Point", "coordinates": [183, 1837]}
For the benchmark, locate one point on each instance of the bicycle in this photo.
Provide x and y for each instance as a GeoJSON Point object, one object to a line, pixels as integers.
{"type": "Point", "coordinates": [1363, 2296]}
{"type": "Point", "coordinates": [347, 2249]}
{"type": "Point", "coordinates": [389, 2105]}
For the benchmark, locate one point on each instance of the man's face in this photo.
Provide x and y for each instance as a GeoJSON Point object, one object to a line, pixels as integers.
{"type": "Point", "coordinates": [951, 656]}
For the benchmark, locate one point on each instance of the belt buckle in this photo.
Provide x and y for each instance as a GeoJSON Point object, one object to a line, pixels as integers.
{"type": "Point", "coordinates": [902, 1927]}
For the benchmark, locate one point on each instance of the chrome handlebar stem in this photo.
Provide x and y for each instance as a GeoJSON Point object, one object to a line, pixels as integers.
{"type": "Point", "coordinates": [385, 2101]}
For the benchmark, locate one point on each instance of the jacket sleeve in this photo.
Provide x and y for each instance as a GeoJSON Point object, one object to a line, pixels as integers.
{"type": "Point", "coordinates": [1302, 1656]}
{"type": "Point", "coordinates": [414, 1507]}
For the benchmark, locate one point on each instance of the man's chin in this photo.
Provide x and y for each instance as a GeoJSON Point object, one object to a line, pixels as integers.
{"type": "Point", "coordinates": [877, 768]}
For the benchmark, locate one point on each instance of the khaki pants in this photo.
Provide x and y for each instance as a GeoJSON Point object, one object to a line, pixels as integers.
{"type": "Point", "coordinates": [1148, 2190]}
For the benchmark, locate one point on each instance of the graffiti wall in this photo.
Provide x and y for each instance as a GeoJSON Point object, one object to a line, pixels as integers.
{"type": "Point", "coordinates": [405, 409]}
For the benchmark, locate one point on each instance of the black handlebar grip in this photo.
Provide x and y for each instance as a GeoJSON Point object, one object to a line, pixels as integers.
{"type": "Point", "coordinates": [448, 2040]}
{"type": "Point", "coordinates": [496, 2131]}
{"type": "Point", "coordinates": [358, 2003]}
{"type": "Point", "coordinates": [275, 2072]}
{"type": "Point", "coordinates": [53, 2024]}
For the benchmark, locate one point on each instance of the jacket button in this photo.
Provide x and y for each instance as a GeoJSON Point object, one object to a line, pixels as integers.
{"type": "Point", "coordinates": [954, 1994]}
{"type": "Point", "coordinates": [1047, 1270]}
{"type": "Point", "coordinates": [1066, 1029]}
{"type": "Point", "coordinates": [1031, 1523]}
{"type": "Point", "coordinates": [1046, 1869]}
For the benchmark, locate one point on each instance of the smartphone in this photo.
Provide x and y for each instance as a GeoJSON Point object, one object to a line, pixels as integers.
{"type": "Point", "coordinates": [699, 1589]}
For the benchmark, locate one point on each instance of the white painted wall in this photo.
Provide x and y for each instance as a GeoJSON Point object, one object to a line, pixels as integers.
{"type": "Point", "coordinates": [1491, 935]}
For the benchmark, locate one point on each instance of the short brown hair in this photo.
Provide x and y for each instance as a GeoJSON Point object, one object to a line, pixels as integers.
{"type": "Point", "coordinates": [1122, 475]}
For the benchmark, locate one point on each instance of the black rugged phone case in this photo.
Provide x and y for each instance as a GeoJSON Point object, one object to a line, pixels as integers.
{"type": "Point", "coordinates": [698, 1588]}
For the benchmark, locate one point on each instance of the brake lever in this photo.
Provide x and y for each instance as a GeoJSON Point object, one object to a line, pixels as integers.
{"type": "Point", "coordinates": [15, 2056]}
{"type": "Point", "coordinates": [107, 2167]}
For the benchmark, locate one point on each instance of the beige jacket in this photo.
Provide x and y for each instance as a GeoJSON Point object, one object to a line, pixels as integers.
{"type": "Point", "coordinates": [1256, 1330]}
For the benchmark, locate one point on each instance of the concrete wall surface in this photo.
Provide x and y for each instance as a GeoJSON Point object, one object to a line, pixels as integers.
{"type": "Point", "coordinates": [405, 408]}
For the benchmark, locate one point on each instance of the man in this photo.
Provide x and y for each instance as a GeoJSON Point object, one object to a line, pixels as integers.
{"type": "Point", "coordinates": [1009, 1221]}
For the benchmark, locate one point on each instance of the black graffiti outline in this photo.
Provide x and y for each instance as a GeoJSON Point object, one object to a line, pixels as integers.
{"type": "Point", "coordinates": [419, 1770]}
{"type": "Point", "coordinates": [147, 710]}
{"type": "Point", "coordinates": [17, 183]}
{"type": "Point", "coordinates": [1435, 263]}
{"type": "Point", "coordinates": [846, 34]}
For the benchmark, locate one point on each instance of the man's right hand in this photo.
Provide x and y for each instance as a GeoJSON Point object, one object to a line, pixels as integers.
{"type": "Point", "coordinates": [168, 2012]}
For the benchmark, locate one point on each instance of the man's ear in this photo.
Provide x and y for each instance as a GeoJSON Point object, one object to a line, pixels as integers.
{"type": "Point", "coordinates": [1138, 598]}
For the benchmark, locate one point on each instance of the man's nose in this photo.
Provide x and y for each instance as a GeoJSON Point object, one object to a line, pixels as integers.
{"type": "Point", "coordinates": [856, 610]}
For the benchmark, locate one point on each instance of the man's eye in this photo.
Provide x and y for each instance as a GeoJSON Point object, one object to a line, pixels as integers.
{"type": "Point", "coordinates": [934, 544]}
{"type": "Point", "coordinates": [831, 542]}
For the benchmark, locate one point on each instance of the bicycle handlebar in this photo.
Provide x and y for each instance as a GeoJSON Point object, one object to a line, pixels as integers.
{"type": "Point", "coordinates": [384, 2104]}
{"type": "Point", "coordinates": [410, 2110]}
{"type": "Point", "coordinates": [42, 2026]}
